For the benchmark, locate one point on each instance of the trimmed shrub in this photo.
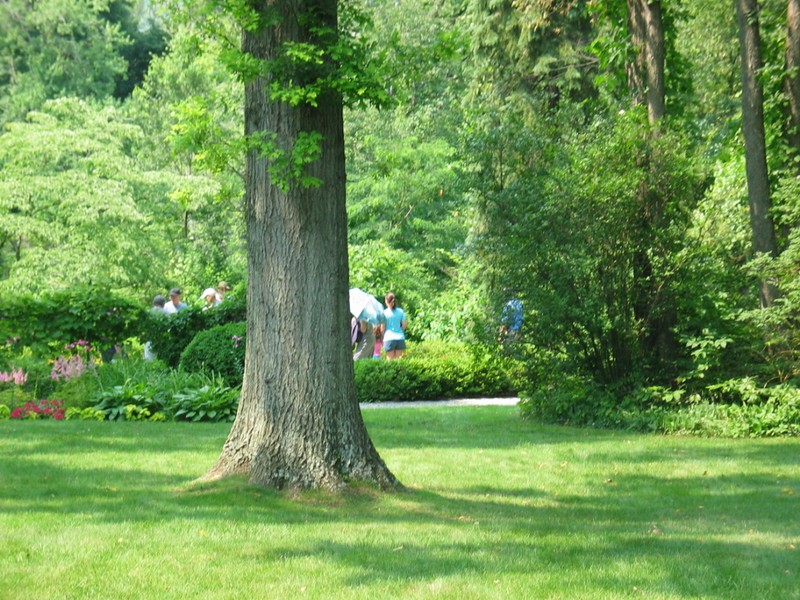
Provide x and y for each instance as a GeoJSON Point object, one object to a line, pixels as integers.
{"type": "Point", "coordinates": [434, 371]}
{"type": "Point", "coordinates": [387, 381]}
{"type": "Point", "coordinates": [429, 371]}
{"type": "Point", "coordinates": [219, 350]}
{"type": "Point", "coordinates": [170, 335]}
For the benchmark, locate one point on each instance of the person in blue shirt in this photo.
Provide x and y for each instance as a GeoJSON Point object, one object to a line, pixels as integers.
{"type": "Point", "coordinates": [511, 320]}
{"type": "Point", "coordinates": [394, 330]}
{"type": "Point", "coordinates": [175, 304]}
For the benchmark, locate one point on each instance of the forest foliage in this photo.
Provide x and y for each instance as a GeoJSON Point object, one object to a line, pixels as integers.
{"type": "Point", "coordinates": [495, 150]}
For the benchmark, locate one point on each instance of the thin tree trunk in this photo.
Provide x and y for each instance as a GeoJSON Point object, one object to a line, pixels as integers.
{"type": "Point", "coordinates": [299, 424]}
{"type": "Point", "coordinates": [792, 81]}
{"type": "Point", "coordinates": [652, 307]}
{"type": "Point", "coordinates": [636, 70]}
{"type": "Point", "coordinates": [646, 73]}
{"type": "Point", "coordinates": [761, 223]}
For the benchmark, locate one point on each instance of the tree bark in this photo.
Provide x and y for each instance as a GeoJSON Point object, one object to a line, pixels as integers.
{"type": "Point", "coordinates": [646, 73]}
{"type": "Point", "coordinates": [792, 81]}
{"type": "Point", "coordinates": [652, 306]}
{"type": "Point", "coordinates": [298, 425]}
{"type": "Point", "coordinates": [764, 241]}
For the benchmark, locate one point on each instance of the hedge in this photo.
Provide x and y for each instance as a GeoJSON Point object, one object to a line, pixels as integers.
{"type": "Point", "coordinates": [63, 317]}
{"type": "Point", "coordinates": [429, 371]}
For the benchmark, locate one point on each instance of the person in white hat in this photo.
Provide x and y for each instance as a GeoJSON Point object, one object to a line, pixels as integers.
{"type": "Point", "coordinates": [210, 296]}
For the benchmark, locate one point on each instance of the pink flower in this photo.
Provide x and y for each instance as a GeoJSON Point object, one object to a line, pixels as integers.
{"type": "Point", "coordinates": [67, 368]}
{"type": "Point", "coordinates": [18, 376]}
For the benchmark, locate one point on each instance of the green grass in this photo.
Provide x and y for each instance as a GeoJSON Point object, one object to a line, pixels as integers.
{"type": "Point", "coordinates": [495, 508]}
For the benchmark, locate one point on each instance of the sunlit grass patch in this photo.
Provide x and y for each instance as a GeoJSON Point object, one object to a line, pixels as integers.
{"type": "Point", "coordinates": [493, 507]}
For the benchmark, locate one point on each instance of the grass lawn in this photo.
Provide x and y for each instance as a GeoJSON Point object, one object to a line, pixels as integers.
{"type": "Point", "coordinates": [495, 508]}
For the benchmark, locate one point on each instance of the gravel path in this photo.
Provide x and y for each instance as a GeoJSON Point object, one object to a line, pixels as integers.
{"type": "Point", "coordinates": [464, 402]}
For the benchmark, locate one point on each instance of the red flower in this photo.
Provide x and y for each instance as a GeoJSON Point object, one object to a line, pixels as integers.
{"type": "Point", "coordinates": [44, 408]}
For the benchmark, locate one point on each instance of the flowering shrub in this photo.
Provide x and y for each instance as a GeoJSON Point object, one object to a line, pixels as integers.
{"type": "Point", "coordinates": [67, 368]}
{"type": "Point", "coordinates": [44, 409]}
{"type": "Point", "coordinates": [80, 345]}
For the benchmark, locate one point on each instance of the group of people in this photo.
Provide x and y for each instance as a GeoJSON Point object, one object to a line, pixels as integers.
{"type": "Point", "coordinates": [211, 296]}
{"type": "Point", "coordinates": [388, 336]}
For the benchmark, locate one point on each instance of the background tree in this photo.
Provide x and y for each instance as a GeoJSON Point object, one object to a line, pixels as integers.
{"type": "Point", "coordinates": [77, 208]}
{"type": "Point", "coordinates": [405, 190]}
{"type": "Point", "coordinates": [792, 80]}
{"type": "Point", "coordinates": [190, 108]}
{"type": "Point", "coordinates": [754, 139]}
{"type": "Point", "coordinates": [57, 48]}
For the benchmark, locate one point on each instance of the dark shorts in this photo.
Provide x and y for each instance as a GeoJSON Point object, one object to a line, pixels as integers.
{"type": "Point", "coordinates": [389, 345]}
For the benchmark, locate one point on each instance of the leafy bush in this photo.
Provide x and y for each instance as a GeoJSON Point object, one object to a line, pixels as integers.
{"type": "Point", "coordinates": [735, 408]}
{"type": "Point", "coordinates": [38, 382]}
{"type": "Point", "coordinates": [219, 350]}
{"type": "Point", "coordinates": [5, 411]}
{"type": "Point", "coordinates": [214, 402]}
{"type": "Point", "coordinates": [14, 396]}
{"type": "Point", "coordinates": [130, 401]}
{"type": "Point", "coordinates": [154, 393]}
{"type": "Point", "coordinates": [571, 400]}
{"type": "Point", "coordinates": [84, 414]}
{"type": "Point", "coordinates": [169, 335]}
{"type": "Point", "coordinates": [62, 317]}
{"type": "Point", "coordinates": [88, 389]}
{"type": "Point", "coordinates": [776, 412]}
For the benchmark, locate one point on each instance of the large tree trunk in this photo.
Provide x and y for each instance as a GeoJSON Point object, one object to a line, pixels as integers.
{"type": "Point", "coordinates": [754, 140]}
{"type": "Point", "coordinates": [792, 82]}
{"type": "Point", "coordinates": [299, 424]}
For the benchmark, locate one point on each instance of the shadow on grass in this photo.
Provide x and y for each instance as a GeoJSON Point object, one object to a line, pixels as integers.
{"type": "Point", "coordinates": [690, 534]}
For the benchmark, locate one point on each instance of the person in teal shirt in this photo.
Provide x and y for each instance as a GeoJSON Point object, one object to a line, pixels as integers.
{"type": "Point", "coordinates": [394, 331]}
